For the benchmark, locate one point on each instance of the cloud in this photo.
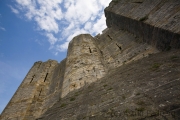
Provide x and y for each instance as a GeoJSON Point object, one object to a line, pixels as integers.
{"type": "Point", "coordinates": [2, 28]}
{"type": "Point", "coordinates": [52, 40]}
{"type": "Point", "coordinates": [39, 42]}
{"type": "Point", "coordinates": [14, 10]}
{"type": "Point", "coordinates": [65, 18]}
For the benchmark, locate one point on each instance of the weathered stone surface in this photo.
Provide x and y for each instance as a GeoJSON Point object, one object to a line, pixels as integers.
{"type": "Point", "coordinates": [28, 100]}
{"type": "Point", "coordinates": [157, 22]}
{"type": "Point", "coordinates": [119, 74]}
{"type": "Point", "coordinates": [83, 65]}
{"type": "Point", "coordinates": [146, 89]}
{"type": "Point", "coordinates": [120, 47]}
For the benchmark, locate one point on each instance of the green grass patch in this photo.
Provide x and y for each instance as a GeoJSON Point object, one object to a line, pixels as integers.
{"type": "Point", "coordinates": [63, 105]}
{"type": "Point", "coordinates": [141, 109]}
{"type": "Point", "coordinates": [76, 94]}
{"type": "Point", "coordinates": [155, 66]}
{"type": "Point", "coordinates": [143, 18]}
{"type": "Point", "coordinates": [110, 88]}
{"type": "Point", "coordinates": [174, 57]}
{"type": "Point", "coordinates": [72, 99]}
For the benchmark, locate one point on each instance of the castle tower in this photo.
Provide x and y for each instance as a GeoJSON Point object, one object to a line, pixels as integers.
{"type": "Point", "coordinates": [83, 65]}
{"type": "Point", "coordinates": [29, 97]}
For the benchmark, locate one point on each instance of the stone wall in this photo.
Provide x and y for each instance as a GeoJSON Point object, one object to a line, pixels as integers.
{"type": "Point", "coordinates": [83, 65]}
{"type": "Point", "coordinates": [157, 22]}
{"type": "Point", "coordinates": [136, 30]}
{"type": "Point", "coordinates": [27, 102]}
{"type": "Point", "coordinates": [120, 47]}
{"type": "Point", "coordinates": [146, 89]}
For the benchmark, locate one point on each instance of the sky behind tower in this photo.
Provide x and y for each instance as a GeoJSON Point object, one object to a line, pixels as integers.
{"type": "Point", "coordinates": [38, 30]}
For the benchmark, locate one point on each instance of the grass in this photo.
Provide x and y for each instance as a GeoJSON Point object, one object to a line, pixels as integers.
{"type": "Point", "coordinates": [72, 99]}
{"type": "Point", "coordinates": [110, 88]}
{"type": "Point", "coordinates": [105, 85]}
{"type": "Point", "coordinates": [174, 57]}
{"type": "Point", "coordinates": [155, 66]}
{"type": "Point", "coordinates": [143, 18]}
{"type": "Point", "coordinates": [77, 93]}
{"type": "Point", "coordinates": [140, 109]}
{"type": "Point", "coordinates": [90, 90]}
{"type": "Point", "coordinates": [63, 105]}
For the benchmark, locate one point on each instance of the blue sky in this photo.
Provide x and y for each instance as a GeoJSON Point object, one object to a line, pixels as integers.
{"type": "Point", "coordinates": [38, 30]}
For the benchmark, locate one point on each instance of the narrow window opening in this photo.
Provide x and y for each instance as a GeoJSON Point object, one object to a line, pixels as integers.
{"type": "Point", "coordinates": [94, 69]}
{"type": "Point", "coordinates": [109, 37]}
{"type": "Point", "coordinates": [119, 47]}
{"type": "Point", "coordinates": [40, 92]}
{"type": "Point", "coordinates": [90, 50]}
{"type": "Point", "coordinates": [32, 78]}
{"type": "Point", "coordinates": [45, 77]}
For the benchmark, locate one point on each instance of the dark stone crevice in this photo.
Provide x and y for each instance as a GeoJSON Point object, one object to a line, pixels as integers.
{"type": "Point", "coordinates": [45, 77]}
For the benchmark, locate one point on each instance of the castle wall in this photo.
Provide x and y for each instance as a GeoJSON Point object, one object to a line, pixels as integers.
{"type": "Point", "coordinates": [83, 64]}
{"type": "Point", "coordinates": [136, 29]}
{"type": "Point", "coordinates": [120, 47]}
{"type": "Point", "coordinates": [55, 87]}
{"type": "Point", "coordinates": [157, 22]}
{"type": "Point", "coordinates": [18, 105]}
{"type": "Point", "coordinates": [28, 100]}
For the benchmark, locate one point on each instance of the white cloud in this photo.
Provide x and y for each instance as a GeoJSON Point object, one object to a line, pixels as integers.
{"type": "Point", "coordinates": [88, 26]}
{"type": "Point", "coordinates": [14, 10]}
{"type": "Point", "coordinates": [2, 28]}
{"type": "Point", "coordinates": [100, 24]}
{"type": "Point", "coordinates": [39, 42]}
{"type": "Point", "coordinates": [44, 12]}
{"type": "Point", "coordinates": [66, 18]}
{"type": "Point", "coordinates": [51, 38]}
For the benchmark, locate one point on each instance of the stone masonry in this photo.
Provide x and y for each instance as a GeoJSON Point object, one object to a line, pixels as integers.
{"type": "Point", "coordinates": [123, 69]}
